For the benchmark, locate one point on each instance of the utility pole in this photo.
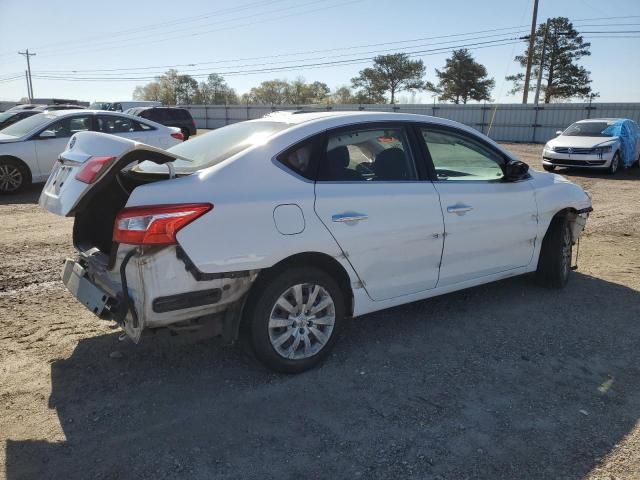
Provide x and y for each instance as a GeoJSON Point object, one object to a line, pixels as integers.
{"type": "Point", "coordinates": [26, 54]}
{"type": "Point", "coordinates": [532, 39]}
{"type": "Point", "coordinates": [26, 77]}
{"type": "Point", "coordinates": [541, 67]}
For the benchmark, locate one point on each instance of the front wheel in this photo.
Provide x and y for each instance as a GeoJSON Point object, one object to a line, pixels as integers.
{"type": "Point", "coordinates": [554, 264]}
{"type": "Point", "coordinates": [615, 164]}
{"type": "Point", "coordinates": [294, 319]}
{"type": "Point", "coordinates": [549, 168]}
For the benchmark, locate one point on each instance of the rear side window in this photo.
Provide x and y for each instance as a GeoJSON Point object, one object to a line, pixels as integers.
{"type": "Point", "coordinates": [361, 155]}
{"type": "Point", "coordinates": [302, 158]}
{"type": "Point", "coordinates": [143, 126]}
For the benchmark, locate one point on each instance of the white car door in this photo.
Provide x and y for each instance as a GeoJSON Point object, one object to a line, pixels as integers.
{"type": "Point", "coordinates": [52, 141]}
{"type": "Point", "coordinates": [490, 223]}
{"type": "Point", "coordinates": [381, 209]}
{"type": "Point", "coordinates": [123, 127]}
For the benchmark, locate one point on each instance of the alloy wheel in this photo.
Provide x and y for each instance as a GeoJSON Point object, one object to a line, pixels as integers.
{"type": "Point", "coordinates": [301, 321]}
{"type": "Point", "coordinates": [10, 178]}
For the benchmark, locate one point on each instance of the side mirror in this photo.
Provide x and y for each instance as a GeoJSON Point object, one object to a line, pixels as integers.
{"type": "Point", "coordinates": [515, 170]}
{"type": "Point", "coordinates": [47, 134]}
{"type": "Point", "coordinates": [558, 132]}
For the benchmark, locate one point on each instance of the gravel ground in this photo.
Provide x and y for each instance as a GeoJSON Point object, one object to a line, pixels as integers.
{"type": "Point", "coordinates": [506, 380]}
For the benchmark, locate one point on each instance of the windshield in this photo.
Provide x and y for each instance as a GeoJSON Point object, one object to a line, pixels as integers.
{"type": "Point", "coordinates": [6, 115]}
{"type": "Point", "coordinates": [587, 129]}
{"type": "Point", "coordinates": [218, 145]}
{"type": "Point", "coordinates": [24, 126]}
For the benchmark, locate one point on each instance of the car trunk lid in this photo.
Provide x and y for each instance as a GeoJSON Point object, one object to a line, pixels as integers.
{"type": "Point", "coordinates": [67, 189]}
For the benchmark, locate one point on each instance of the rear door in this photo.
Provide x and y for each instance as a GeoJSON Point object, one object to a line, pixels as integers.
{"type": "Point", "coordinates": [381, 209]}
{"type": "Point", "coordinates": [490, 224]}
{"type": "Point", "coordinates": [123, 127]}
{"type": "Point", "coordinates": [49, 147]}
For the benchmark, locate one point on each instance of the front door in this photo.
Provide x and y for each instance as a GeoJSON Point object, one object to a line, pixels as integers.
{"type": "Point", "coordinates": [490, 224]}
{"type": "Point", "coordinates": [383, 214]}
{"type": "Point", "coordinates": [52, 142]}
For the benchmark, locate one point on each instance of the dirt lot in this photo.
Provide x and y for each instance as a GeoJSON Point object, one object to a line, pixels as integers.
{"type": "Point", "coordinates": [507, 380]}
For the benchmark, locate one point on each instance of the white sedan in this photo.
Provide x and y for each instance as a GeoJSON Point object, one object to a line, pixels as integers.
{"type": "Point", "coordinates": [29, 148]}
{"type": "Point", "coordinates": [599, 143]}
{"type": "Point", "coordinates": [293, 222]}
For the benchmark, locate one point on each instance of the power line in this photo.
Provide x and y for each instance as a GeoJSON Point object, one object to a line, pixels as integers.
{"type": "Point", "coordinates": [376, 52]}
{"type": "Point", "coordinates": [419, 53]}
{"type": "Point", "coordinates": [307, 52]}
{"type": "Point", "coordinates": [154, 26]}
{"type": "Point", "coordinates": [165, 38]}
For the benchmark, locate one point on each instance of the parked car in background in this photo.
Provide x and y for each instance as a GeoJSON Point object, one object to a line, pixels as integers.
{"type": "Point", "coordinates": [122, 105]}
{"type": "Point", "coordinates": [12, 116]}
{"type": "Point", "coordinates": [292, 222]}
{"type": "Point", "coordinates": [600, 143]}
{"type": "Point", "coordinates": [30, 147]}
{"type": "Point", "coordinates": [169, 116]}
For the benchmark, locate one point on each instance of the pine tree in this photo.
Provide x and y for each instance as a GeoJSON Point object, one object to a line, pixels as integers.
{"type": "Point", "coordinates": [462, 79]}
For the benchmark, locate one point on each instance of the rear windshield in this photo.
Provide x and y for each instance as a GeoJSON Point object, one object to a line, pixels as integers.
{"type": "Point", "coordinates": [218, 145]}
{"type": "Point", "coordinates": [26, 125]}
{"type": "Point", "coordinates": [587, 129]}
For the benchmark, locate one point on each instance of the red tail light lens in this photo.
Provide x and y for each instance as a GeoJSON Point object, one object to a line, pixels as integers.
{"type": "Point", "coordinates": [178, 135]}
{"type": "Point", "coordinates": [93, 168]}
{"type": "Point", "coordinates": [156, 225]}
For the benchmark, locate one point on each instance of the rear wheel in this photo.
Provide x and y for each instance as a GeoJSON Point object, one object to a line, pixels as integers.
{"type": "Point", "coordinates": [549, 168]}
{"type": "Point", "coordinates": [294, 319]}
{"type": "Point", "coordinates": [615, 164]}
{"type": "Point", "coordinates": [14, 176]}
{"type": "Point", "coordinates": [554, 264]}
{"type": "Point", "coordinates": [185, 133]}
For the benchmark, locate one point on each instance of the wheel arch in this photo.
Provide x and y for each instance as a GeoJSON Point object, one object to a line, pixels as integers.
{"type": "Point", "coordinates": [319, 260]}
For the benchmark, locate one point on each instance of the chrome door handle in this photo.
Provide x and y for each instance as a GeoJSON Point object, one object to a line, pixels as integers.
{"type": "Point", "coordinates": [459, 208]}
{"type": "Point", "coordinates": [349, 217]}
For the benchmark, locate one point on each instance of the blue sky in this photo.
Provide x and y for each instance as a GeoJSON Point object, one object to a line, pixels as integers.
{"type": "Point", "coordinates": [81, 35]}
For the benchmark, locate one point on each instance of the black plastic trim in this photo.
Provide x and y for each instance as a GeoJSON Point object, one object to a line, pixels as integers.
{"type": "Point", "coordinates": [181, 301]}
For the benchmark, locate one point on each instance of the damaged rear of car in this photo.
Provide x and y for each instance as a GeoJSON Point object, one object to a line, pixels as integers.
{"type": "Point", "coordinates": [130, 266]}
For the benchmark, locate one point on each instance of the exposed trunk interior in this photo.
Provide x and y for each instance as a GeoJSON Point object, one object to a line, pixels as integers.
{"type": "Point", "coordinates": [93, 225]}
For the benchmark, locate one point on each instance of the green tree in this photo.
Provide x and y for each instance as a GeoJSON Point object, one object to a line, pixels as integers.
{"type": "Point", "coordinates": [390, 73]}
{"type": "Point", "coordinates": [216, 91]}
{"type": "Point", "coordinates": [562, 77]}
{"type": "Point", "coordinates": [270, 92]}
{"type": "Point", "coordinates": [462, 79]}
{"type": "Point", "coordinates": [342, 95]}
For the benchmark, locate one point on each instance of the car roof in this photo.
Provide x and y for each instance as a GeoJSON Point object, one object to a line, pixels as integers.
{"type": "Point", "coordinates": [300, 117]}
{"type": "Point", "coordinates": [588, 120]}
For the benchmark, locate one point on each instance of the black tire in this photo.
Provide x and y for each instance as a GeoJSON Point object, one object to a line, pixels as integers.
{"type": "Point", "coordinates": [185, 133]}
{"type": "Point", "coordinates": [549, 168]}
{"type": "Point", "coordinates": [262, 303]}
{"type": "Point", "coordinates": [554, 264]}
{"type": "Point", "coordinates": [615, 164]}
{"type": "Point", "coordinates": [14, 176]}
{"type": "Point", "coordinates": [636, 164]}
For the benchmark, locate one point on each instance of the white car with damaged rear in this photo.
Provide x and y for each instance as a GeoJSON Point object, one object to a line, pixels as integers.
{"type": "Point", "coordinates": [30, 147]}
{"type": "Point", "coordinates": [291, 223]}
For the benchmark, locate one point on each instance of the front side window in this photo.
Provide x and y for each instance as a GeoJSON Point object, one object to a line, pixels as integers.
{"type": "Point", "coordinates": [68, 126]}
{"type": "Point", "coordinates": [456, 157]}
{"type": "Point", "coordinates": [360, 155]}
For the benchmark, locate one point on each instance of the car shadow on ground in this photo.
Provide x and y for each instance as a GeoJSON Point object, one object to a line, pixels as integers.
{"type": "Point", "coordinates": [506, 380]}
{"type": "Point", "coordinates": [31, 194]}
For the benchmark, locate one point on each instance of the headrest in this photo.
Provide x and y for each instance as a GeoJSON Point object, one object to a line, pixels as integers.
{"type": "Point", "coordinates": [390, 164]}
{"type": "Point", "coordinates": [338, 157]}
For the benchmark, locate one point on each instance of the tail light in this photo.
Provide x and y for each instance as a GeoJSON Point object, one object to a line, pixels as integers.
{"type": "Point", "coordinates": [93, 168]}
{"type": "Point", "coordinates": [155, 225]}
{"type": "Point", "coordinates": [178, 135]}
